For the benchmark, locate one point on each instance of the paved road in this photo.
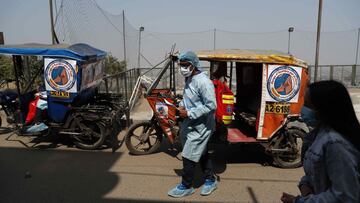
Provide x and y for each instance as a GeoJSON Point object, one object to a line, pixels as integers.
{"type": "Point", "coordinates": [52, 170]}
{"type": "Point", "coordinates": [65, 174]}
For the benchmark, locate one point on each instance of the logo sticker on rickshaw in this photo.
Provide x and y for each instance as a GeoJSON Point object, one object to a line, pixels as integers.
{"type": "Point", "coordinates": [162, 109]}
{"type": "Point", "coordinates": [283, 83]}
{"type": "Point", "coordinates": [60, 75]}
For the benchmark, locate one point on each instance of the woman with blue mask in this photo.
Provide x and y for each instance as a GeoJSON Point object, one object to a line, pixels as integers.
{"type": "Point", "coordinates": [308, 115]}
{"type": "Point", "coordinates": [331, 164]}
{"type": "Point", "coordinates": [198, 111]}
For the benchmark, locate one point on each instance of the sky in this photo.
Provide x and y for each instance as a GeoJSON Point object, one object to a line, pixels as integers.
{"type": "Point", "coordinates": [25, 21]}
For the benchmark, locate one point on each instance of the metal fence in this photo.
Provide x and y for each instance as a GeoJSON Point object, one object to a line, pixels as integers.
{"type": "Point", "coordinates": [347, 74]}
{"type": "Point", "coordinates": [121, 83]}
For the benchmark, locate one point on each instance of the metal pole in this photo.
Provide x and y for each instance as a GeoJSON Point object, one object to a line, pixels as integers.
{"type": "Point", "coordinates": [318, 41]}
{"type": "Point", "coordinates": [356, 58]}
{"type": "Point", "coordinates": [140, 30]}
{"type": "Point", "coordinates": [126, 86]}
{"type": "Point", "coordinates": [289, 43]}
{"type": "Point", "coordinates": [353, 75]}
{"type": "Point", "coordinates": [17, 62]}
{"type": "Point", "coordinates": [1, 38]}
{"type": "Point", "coordinates": [138, 65]}
{"type": "Point", "coordinates": [214, 38]}
{"type": "Point", "coordinates": [291, 29]}
{"type": "Point", "coordinates": [357, 47]}
{"type": "Point", "coordinates": [106, 85]}
{"type": "Point", "coordinates": [52, 22]}
{"type": "Point", "coordinates": [124, 37]}
{"type": "Point", "coordinates": [331, 72]}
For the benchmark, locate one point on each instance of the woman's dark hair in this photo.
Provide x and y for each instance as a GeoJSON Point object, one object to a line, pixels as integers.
{"type": "Point", "coordinates": [333, 104]}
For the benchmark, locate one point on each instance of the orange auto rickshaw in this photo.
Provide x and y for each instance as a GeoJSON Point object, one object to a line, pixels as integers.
{"type": "Point", "coordinates": [259, 98]}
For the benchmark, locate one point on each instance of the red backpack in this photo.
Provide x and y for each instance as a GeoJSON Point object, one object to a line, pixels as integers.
{"type": "Point", "coordinates": [225, 102]}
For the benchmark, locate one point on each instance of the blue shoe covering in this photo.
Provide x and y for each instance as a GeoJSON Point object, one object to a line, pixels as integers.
{"type": "Point", "coordinates": [37, 128]}
{"type": "Point", "coordinates": [181, 191]}
{"type": "Point", "coordinates": [209, 187]}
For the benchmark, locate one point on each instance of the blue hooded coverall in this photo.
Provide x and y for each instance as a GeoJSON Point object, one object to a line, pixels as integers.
{"type": "Point", "coordinates": [200, 103]}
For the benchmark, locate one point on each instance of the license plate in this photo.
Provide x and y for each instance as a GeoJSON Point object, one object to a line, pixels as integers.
{"type": "Point", "coordinates": [60, 94]}
{"type": "Point", "coordinates": [277, 108]}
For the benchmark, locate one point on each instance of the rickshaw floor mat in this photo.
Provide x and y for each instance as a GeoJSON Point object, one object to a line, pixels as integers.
{"type": "Point", "coordinates": [235, 135]}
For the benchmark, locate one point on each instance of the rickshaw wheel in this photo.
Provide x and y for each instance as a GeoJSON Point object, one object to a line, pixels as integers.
{"type": "Point", "coordinates": [91, 135]}
{"type": "Point", "coordinates": [143, 138]}
{"type": "Point", "coordinates": [291, 139]}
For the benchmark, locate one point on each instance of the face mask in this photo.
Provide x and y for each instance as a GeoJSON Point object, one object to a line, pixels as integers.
{"type": "Point", "coordinates": [185, 71]}
{"type": "Point", "coordinates": [308, 116]}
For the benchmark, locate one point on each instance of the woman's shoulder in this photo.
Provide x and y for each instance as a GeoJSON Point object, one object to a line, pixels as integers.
{"type": "Point", "coordinates": [330, 137]}
{"type": "Point", "coordinates": [326, 136]}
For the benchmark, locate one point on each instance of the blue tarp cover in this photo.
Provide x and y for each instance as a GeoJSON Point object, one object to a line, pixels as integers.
{"type": "Point", "coordinates": [82, 52]}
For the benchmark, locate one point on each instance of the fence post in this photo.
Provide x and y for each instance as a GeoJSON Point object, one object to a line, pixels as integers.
{"type": "Point", "coordinates": [117, 85]}
{"type": "Point", "coordinates": [331, 72]}
{"type": "Point", "coordinates": [1, 38]}
{"type": "Point", "coordinates": [131, 80]}
{"type": "Point", "coordinates": [353, 75]}
{"type": "Point", "coordinates": [106, 85]}
{"type": "Point", "coordinates": [126, 86]}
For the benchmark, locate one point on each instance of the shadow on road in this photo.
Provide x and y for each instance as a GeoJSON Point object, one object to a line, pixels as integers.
{"type": "Point", "coordinates": [56, 176]}
{"type": "Point", "coordinates": [222, 155]}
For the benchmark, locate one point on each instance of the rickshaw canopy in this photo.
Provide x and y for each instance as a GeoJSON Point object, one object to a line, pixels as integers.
{"type": "Point", "coordinates": [250, 56]}
{"type": "Point", "coordinates": [80, 52]}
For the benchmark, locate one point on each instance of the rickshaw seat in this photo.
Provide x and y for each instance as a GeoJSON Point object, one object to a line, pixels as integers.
{"type": "Point", "coordinates": [7, 95]}
{"type": "Point", "coordinates": [248, 118]}
{"type": "Point", "coordinates": [26, 98]}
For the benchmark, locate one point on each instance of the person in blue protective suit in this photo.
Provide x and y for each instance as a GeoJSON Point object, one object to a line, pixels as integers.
{"type": "Point", "coordinates": [198, 111]}
{"type": "Point", "coordinates": [332, 161]}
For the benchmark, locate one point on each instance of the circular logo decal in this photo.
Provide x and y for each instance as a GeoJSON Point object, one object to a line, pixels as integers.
{"type": "Point", "coordinates": [283, 83]}
{"type": "Point", "coordinates": [60, 75]}
{"type": "Point", "coordinates": [228, 109]}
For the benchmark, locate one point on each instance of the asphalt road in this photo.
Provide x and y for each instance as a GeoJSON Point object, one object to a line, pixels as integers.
{"type": "Point", "coordinates": [51, 169]}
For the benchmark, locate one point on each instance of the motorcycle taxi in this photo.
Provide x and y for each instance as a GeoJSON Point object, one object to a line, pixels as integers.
{"type": "Point", "coordinates": [259, 99]}
{"type": "Point", "coordinates": [71, 75]}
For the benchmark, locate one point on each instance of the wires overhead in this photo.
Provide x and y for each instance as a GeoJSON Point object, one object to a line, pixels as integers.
{"type": "Point", "coordinates": [85, 21]}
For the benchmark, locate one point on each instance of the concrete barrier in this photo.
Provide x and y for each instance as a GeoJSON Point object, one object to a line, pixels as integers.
{"type": "Point", "coordinates": [355, 97]}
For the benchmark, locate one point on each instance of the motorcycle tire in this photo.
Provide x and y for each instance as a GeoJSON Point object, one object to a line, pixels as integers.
{"type": "Point", "coordinates": [289, 160]}
{"type": "Point", "coordinates": [147, 134]}
{"type": "Point", "coordinates": [93, 134]}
